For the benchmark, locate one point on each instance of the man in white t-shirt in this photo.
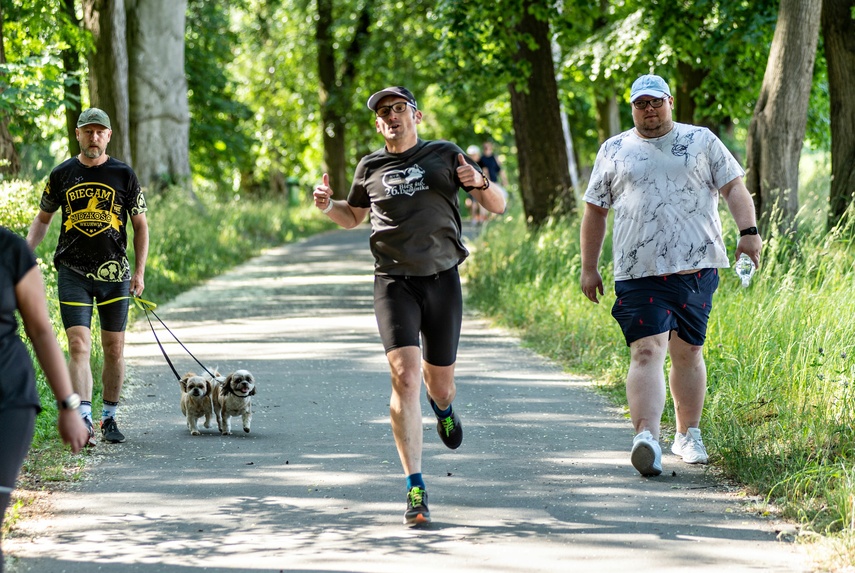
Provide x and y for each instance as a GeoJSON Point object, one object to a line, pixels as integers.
{"type": "Point", "coordinates": [663, 180]}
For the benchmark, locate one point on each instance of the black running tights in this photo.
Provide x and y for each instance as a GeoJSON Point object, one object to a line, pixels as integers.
{"type": "Point", "coordinates": [16, 429]}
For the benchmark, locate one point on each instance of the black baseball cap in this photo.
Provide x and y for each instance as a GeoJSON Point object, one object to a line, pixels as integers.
{"type": "Point", "coordinates": [400, 91]}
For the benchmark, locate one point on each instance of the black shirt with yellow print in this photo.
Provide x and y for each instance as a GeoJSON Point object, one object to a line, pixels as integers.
{"type": "Point", "coordinates": [95, 203]}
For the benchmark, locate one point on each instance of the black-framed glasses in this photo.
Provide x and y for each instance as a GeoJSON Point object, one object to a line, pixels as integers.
{"type": "Point", "coordinates": [397, 107]}
{"type": "Point", "coordinates": [655, 103]}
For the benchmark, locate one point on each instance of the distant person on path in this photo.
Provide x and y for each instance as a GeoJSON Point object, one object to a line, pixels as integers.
{"type": "Point", "coordinates": [490, 163]}
{"type": "Point", "coordinates": [477, 213]}
{"type": "Point", "coordinates": [97, 194]}
{"type": "Point", "coordinates": [410, 188]}
{"type": "Point", "coordinates": [663, 180]}
{"type": "Point", "coordinates": [22, 289]}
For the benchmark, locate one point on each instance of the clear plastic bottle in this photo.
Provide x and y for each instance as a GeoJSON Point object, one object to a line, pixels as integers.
{"type": "Point", "coordinates": [744, 269]}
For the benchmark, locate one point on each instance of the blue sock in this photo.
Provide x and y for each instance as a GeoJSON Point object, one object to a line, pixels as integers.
{"type": "Point", "coordinates": [415, 480]}
{"type": "Point", "coordinates": [440, 413]}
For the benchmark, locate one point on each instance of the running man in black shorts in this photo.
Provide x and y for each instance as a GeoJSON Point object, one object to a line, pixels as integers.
{"type": "Point", "coordinates": [410, 188]}
{"type": "Point", "coordinates": [97, 195]}
{"type": "Point", "coordinates": [663, 180]}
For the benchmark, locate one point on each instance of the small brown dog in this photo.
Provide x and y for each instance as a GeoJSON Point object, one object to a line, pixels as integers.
{"type": "Point", "coordinates": [233, 397]}
{"type": "Point", "coordinates": [196, 401]}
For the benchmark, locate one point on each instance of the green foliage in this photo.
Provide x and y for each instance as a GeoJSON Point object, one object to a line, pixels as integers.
{"type": "Point", "coordinates": [33, 81]}
{"type": "Point", "coordinates": [780, 411]}
{"type": "Point", "coordinates": [220, 126]}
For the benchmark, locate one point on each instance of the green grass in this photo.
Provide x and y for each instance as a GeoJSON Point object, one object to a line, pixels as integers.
{"type": "Point", "coordinates": [780, 408]}
{"type": "Point", "coordinates": [189, 243]}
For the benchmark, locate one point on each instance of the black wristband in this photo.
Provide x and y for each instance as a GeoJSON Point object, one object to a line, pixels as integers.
{"type": "Point", "coordinates": [486, 184]}
{"type": "Point", "coordinates": [748, 231]}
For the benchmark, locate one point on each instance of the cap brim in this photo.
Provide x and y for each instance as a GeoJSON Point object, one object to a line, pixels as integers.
{"type": "Point", "coordinates": [375, 99]}
{"type": "Point", "coordinates": [94, 123]}
{"type": "Point", "coordinates": [654, 93]}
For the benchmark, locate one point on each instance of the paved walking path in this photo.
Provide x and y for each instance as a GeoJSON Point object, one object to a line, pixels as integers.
{"type": "Point", "coordinates": [542, 482]}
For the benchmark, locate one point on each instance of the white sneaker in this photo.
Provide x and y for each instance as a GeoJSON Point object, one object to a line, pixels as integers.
{"type": "Point", "coordinates": [690, 447]}
{"type": "Point", "coordinates": [646, 454]}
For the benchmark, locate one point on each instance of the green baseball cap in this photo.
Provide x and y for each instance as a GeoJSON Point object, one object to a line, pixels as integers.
{"type": "Point", "coordinates": [94, 115]}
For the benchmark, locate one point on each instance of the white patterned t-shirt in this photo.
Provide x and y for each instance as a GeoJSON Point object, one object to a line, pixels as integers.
{"type": "Point", "coordinates": [665, 195]}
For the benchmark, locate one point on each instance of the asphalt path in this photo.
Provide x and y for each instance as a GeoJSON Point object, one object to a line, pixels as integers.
{"type": "Point", "coordinates": [542, 482]}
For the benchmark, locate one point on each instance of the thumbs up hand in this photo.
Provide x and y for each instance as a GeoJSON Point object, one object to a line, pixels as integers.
{"type": "Point", "coordinates": [322, 193]}
{"type": "Point", "coordinates": [468, 175]}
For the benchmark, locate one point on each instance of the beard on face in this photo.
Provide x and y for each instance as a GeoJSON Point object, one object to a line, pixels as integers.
{"type": "Point", "coordinates": [93, 152]}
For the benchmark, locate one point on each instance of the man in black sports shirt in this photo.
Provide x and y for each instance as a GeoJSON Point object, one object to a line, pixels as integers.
{"type": "Point", "coordinates": [96, 194]}
{"type": "Point", "coordinates": [410, 188]}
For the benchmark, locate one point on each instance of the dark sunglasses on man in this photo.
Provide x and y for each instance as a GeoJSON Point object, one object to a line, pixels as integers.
{"type": "Point", "coordinates": [640, 104]}
{"type": "Point", "coordinates": [397, 107]}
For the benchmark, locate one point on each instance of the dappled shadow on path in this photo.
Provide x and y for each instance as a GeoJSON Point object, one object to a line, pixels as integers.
{"type": "Point", "coordinates": [542, 481]}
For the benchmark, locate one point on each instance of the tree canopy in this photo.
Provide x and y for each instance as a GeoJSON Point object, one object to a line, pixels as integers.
{"type": "Point", "coordinates": [277, 88]}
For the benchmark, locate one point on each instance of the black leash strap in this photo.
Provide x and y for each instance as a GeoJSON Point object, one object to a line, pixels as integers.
{"type": "Point", "coordinates": [147, 310]}
{"type": "Point", "coordinates": [162, 350]}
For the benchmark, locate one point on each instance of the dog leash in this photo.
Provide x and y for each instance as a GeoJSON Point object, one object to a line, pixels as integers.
{"type": "Point", "coordinates": [148, 306]}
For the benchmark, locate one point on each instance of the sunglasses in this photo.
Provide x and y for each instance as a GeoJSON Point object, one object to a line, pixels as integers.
{"type": "Point", "coordinates": [397, 107]}
{"type": "Point", "coordinates": [654, 103]}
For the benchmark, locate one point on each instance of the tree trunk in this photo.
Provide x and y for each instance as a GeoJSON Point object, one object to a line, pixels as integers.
{"type": "Point", "coordinates": [108, 72]}
{"type": "Point", "coordinates": [10, 163]}
{"type": "Point", "coordinates": [543, 173]}
{"type": "Point", "coordinates": [160, 113]}
{"type": "Point", "coordinates": [608, 109]}
{"type": "Point", "coordinates": [73, 102]}
{"type": "Point", "coordinates": [688, 80]}
{"type": "Point", "coordinates": [838, 29]}
{"type": "Point", "coordinates": [608, 117]}
{"type": "Point", "coordinates": [336, 90]}
{"type": "Point", "coordinates": [330, 96]}
{"type": "Point", "coordinates": [776, 132]}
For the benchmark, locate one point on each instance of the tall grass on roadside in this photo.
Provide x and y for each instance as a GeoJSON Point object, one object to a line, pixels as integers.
{"type": "Point", "coordinates": [782, 402]}
{"type": "Point", "coordinates": [780, 411]}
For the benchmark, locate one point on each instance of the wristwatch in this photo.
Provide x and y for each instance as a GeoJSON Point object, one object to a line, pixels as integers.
{"type": "Point", "coordinates": [70, 403]}
{"type": "Point", "coordinates": [486, 184]}
{"type": "Point", "coordinates": [749, 231]}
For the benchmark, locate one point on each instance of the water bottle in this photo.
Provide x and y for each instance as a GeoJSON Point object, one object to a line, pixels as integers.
{"type": "Point", "coordinates": [744, 269]}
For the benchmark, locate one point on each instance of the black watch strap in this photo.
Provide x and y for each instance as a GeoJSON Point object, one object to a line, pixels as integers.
{"type": "Point", "coordinates": [748, 231]}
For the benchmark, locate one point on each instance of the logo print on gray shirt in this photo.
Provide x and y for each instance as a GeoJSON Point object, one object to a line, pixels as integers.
{"type": "Point", "coordinates": [404, 181]}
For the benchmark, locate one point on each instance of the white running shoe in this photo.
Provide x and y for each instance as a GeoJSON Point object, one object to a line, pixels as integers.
{"type": "Point", "coordinates": [646, 454]}
{"type": "Point", "coordinates": [690, 447]}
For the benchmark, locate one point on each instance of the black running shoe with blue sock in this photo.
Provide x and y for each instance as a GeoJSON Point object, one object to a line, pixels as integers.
{"type": "Point", "coordinates": [448, 427]}
{"type": "Point", "coordinates": [417, 509]}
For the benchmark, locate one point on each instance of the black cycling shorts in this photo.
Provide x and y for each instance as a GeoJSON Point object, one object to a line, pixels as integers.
{"type": "Point", "coordinates": [652, 305]}
{"type": "Point", "coordinates": [428, 308]}
{"type": "Point", "coordinates": [74, 287]}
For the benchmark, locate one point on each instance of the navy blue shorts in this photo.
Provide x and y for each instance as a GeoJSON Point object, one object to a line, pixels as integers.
{"type": "Point", "coordinates": [74, 287]}
{"type": "Point", "coordinates": [430, 308]}
{"type": "Point", "coordinates": [652, 305]}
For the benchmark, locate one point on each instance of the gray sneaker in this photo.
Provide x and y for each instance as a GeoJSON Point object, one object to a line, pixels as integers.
{"type": "Point", "coordinates": [110, 431]}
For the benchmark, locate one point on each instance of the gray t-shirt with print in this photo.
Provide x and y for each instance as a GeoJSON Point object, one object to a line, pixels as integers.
{"type": "Point", "coordinates": [665, 195]}
{"type": "Point", "coordinates": [415, 213]}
